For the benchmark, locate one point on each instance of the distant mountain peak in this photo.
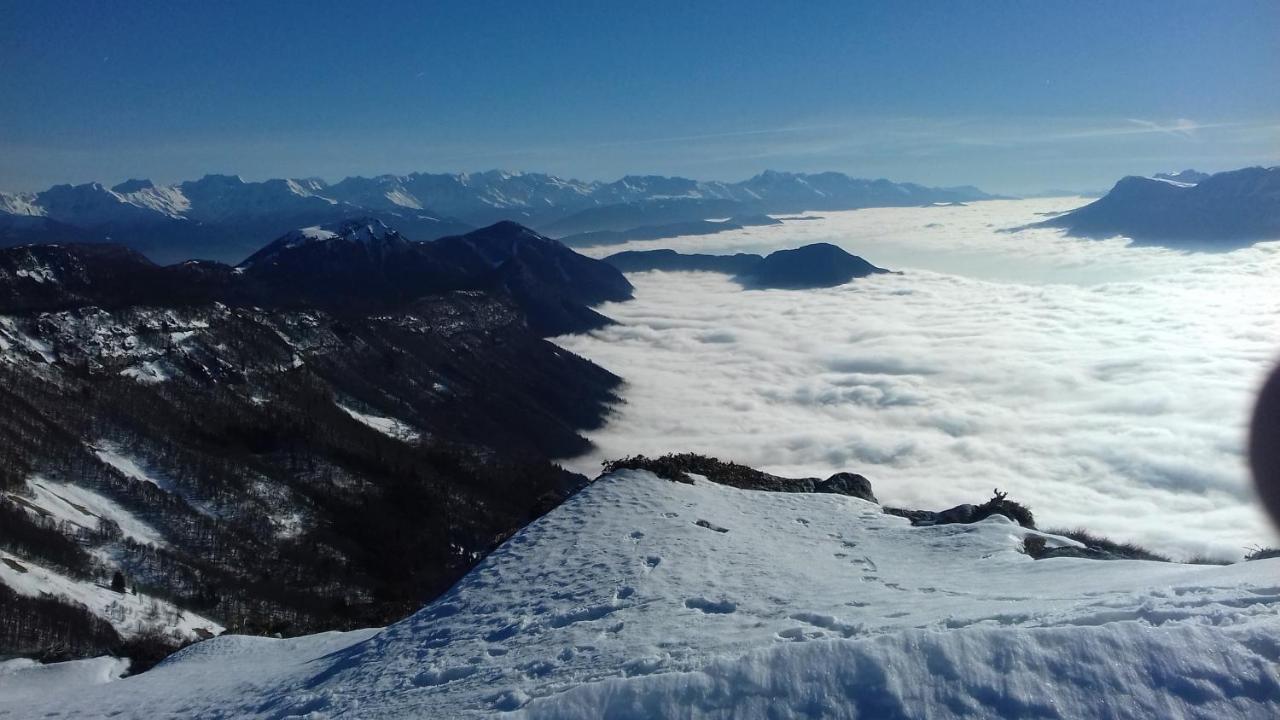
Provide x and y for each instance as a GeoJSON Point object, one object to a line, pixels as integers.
{"type": "Point", "coordinates": [362, 231]}
{"type": "Point", "coordinates": [219, 179]}
{"type": "Point", "coordinates": [1188, 176]}
{"type": "Point", "coordinates": [1223, 211]}
{"type": "Point", "coordinates": [133, 185]}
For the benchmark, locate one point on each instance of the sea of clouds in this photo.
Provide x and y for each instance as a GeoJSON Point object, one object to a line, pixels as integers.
{"type": "Point", "coordinates": [1105, 386]}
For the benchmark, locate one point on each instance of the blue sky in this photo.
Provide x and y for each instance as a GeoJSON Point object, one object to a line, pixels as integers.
{"type": "Point", "coordinates": [1011, 96]}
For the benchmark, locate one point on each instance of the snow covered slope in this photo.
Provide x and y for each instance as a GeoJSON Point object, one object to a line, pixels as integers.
{"type": "Point", "coordinates": [645, 598]}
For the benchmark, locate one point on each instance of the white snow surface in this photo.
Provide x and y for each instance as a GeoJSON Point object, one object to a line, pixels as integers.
{"type": "Point", "coordinates": [620, 604]}
{"type": "Point", "coordinates": [23, 680]}
{"type": "Point", "coordinates": [80, 506]}
{"type": "Point", "coordinates": [388, 426]}
{"type": "Point", "coordinates": [128, 613]}
{"type": "Point", "coordinates": [113, 455]}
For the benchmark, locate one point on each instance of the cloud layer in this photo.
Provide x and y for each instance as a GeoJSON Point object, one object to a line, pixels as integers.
{"type": "Point", "coordinates": [1106, 387]}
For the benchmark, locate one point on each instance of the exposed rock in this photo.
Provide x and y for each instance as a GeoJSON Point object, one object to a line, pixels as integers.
{"type": "Point", "coordinates": [679, 467]}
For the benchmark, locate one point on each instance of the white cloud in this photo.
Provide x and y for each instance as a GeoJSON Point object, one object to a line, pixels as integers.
{"type": "Point", "coordinates": [1107, 387]}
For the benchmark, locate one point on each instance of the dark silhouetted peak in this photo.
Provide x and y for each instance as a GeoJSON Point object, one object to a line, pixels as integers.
{"type": "Point", "coordinates": [53, 277]}
{"type": "Point", "coordinates": [364, 265]}
{"type": "Point", "coordinates": [362, 231]}
{"type": "Point", "coordinates": [211, 179]}
{"type": "Point", "coordinates": [339, 250]}
{"type": "Point", "coordinates": [133, 185]}
{"type": "Point", "coordinates": [1221, 212]}
{"type": "Point", "coordinates": [811, 266]}
{"type": "Point", "coordinates": [553, 284]}
{"type": "Point", "coordinates": [672, 261]}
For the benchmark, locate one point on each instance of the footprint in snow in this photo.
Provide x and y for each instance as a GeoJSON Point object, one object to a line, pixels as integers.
{"type": "Point", "coordinates": [828, 622]}
{"type": "Point", "coordinates": [510, 700]}
{"type": "Point", "coordinates": [711, 607]}
{"type": "Point", "coordinates": [710, 526]}
{"type": "Point", "coordinates": [440, 676]}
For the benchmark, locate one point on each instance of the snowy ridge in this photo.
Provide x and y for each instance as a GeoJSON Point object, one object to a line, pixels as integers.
{"type": "Point", "coordinates": [644, 598]}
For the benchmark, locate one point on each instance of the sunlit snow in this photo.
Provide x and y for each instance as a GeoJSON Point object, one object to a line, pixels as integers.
{"type": "Point", "coordinates": [619, 604]}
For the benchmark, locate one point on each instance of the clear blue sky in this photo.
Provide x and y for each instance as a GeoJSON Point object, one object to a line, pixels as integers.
{"type": "Point", "coordinates": [1012, 96]}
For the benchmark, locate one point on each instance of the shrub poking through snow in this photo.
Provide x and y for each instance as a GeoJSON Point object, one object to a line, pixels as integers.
{"type": "Point", "coordinates": [1102, 548]}
{"type": "Point", "coordinates": [678, 467]}
{"type": "Point", "coordinates": [1262, 553]}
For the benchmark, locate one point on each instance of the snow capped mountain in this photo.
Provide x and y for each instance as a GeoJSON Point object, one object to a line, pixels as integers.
{"type": "Point", "coordinates": [363, 231]}
{"type": "Point", "coordinates": [91, 205]}
{"type": "Point", "coordinates": [642, 597]}
{"type": "Point", "coordinates": [166, 200]}
{"type": "Point", "coordinates": [215, 198]}
{"type": "Point", "coordinates": [20, 204]}
{"type": "Point", "coordinates": [224, 217]}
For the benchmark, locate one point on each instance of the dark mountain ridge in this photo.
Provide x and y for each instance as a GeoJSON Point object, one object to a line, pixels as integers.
{"type": "Point", "coordinates": [304, 462]}
{"type": "Point", "coordinates": [668, 230]}
{"type": "Point", "coordinates": [812, 266]}
{"type": "Point", "coordinates": [1223, 211]}
{"type": "Point", "coordinates": [351, 267]}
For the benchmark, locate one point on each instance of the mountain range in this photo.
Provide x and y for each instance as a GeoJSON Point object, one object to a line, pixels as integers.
{"type": "Point", "coordinates": [225, 218]}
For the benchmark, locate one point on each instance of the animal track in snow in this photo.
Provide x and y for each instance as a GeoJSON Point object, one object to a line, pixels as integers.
{"type": "Point", "coordinates": [711, 607]}
{"type": "Point", "coordinates": [644, 666]}
{"type": "Point", "coordinates": [799, 634]}
{"type": "Point", "coordinates": [440, 676]}
{"type": "Point", "coordinates": [587, 614]}
{"type": "Point", "coordinates": [709, 526]}
{"type": "Point", "coordinates": [503, 633]}
{"type": "Point", "coordinates": [828, 622]}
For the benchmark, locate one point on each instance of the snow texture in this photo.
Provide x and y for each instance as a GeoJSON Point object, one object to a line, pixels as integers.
{"type": "Point", "coordinates": [390, 427]}
{"type": "Point", "coordinates": [129, 613]}
{"type": "Point", "coordinates": [79, 506]}
{"type": "Point", "coordinates": [621, 604]}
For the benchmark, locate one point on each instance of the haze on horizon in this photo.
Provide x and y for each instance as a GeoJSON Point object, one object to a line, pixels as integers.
{"type": "Point", "coordinates": [1012, 97]}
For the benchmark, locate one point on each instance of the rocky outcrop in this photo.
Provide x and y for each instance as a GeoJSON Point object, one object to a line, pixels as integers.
{"type": "Point", "coordinates": [681, 467]}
